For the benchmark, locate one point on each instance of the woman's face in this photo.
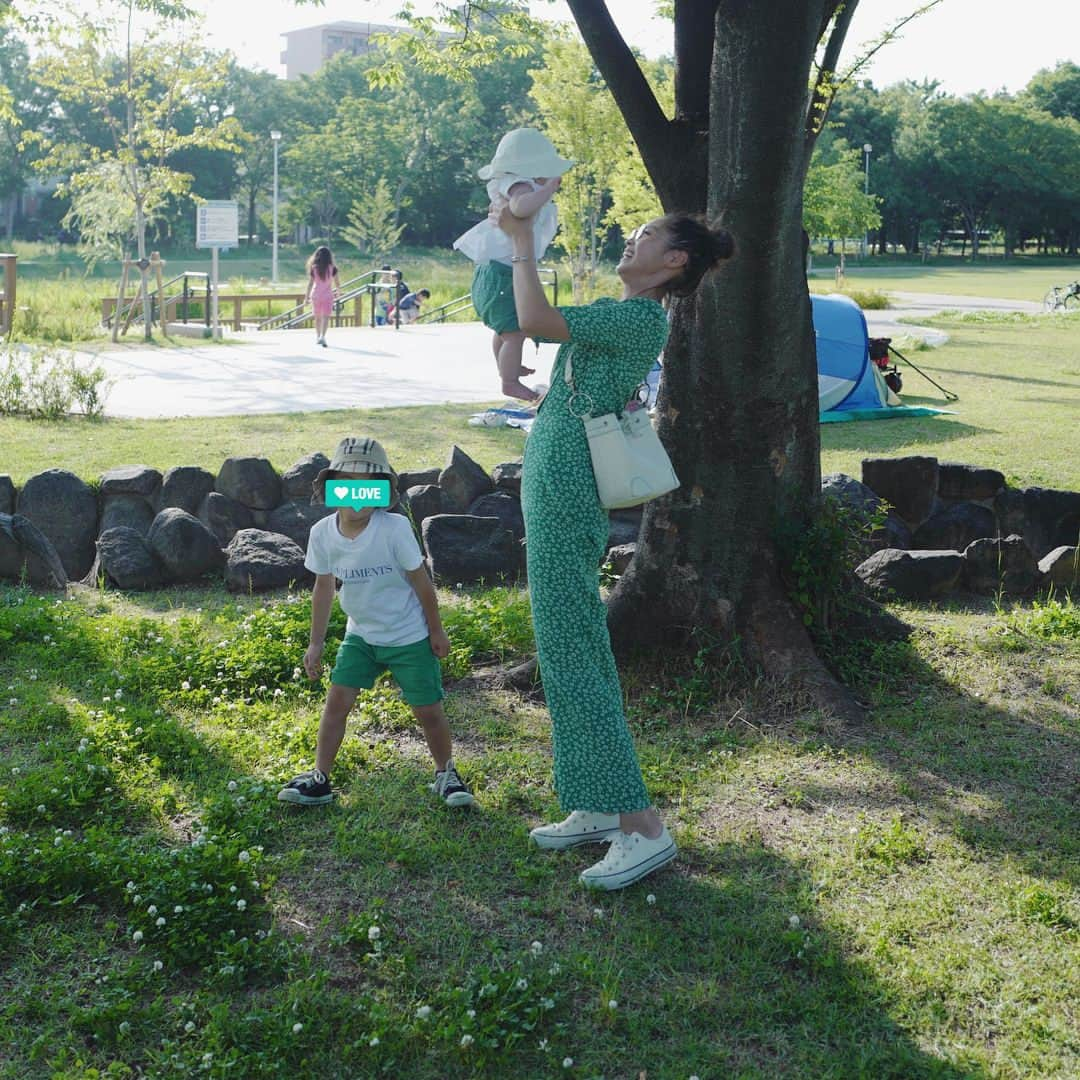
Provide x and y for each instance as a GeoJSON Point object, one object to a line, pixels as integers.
{"type": "Point", "coordinates": [648, 252]}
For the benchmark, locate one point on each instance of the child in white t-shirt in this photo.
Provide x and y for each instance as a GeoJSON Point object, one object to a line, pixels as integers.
{"type": "Point", "coordinates": [525, 172]}
{"type": "Point", "coordinates": [393, 623]}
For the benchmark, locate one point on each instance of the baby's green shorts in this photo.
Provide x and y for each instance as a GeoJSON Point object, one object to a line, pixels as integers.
{"type": "Point", "coordinates": [493, 296]}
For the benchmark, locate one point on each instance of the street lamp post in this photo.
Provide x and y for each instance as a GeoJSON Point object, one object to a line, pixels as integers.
{"type": "Point", "coordinates": [275, 138]}
{"type": "Point", "coordinates": [867, 148]}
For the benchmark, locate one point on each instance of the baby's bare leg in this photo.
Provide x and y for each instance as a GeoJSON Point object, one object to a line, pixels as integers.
{"type": "Point", "coordinates": [510, 367]}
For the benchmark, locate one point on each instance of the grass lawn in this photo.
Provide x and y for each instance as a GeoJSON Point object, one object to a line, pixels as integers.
{"type": "Point", "coordinates": [1014, 280]}
{"type": "Point", "coordinates": [897, 899]}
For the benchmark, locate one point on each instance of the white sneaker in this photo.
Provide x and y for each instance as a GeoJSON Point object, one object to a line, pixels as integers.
{"type": "Point", "coordinates": [581, 827]}
{"type": "Point", "coordinates": [628, 859]}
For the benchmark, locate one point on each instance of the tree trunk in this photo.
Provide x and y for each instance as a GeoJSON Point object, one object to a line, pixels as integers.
{"type": "Point", "coordinates": [738, 403]}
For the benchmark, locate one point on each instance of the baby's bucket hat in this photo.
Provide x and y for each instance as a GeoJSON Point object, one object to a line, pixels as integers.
{"type": "Point", "coordinates": [359, 457]}
{"type": "Point", "coordinates": [525, 152]}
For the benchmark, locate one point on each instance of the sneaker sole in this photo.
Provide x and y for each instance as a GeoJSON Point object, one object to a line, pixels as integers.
{"type": "Point", "coordinates": [290, 795]}
{"type": "Point", "coordinates": [564, 843]}
{"type": "Point", "coordinates": [619, 880]}
{"type": "Point", "coordinates": [460, 798]}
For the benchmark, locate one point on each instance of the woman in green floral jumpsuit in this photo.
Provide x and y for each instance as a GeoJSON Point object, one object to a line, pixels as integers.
{"type": "Point", "coordinates": [613, 345]}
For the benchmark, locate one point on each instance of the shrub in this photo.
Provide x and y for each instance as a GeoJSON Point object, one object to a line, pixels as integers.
{"type": "Point", "coordinates": [44, 383]}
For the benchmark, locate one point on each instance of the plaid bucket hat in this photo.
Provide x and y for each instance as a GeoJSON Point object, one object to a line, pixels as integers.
{"type": "Point", "coordinates": [359, 457]}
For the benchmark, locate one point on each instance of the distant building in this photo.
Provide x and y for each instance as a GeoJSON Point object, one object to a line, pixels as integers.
{"type": "Point", "coordinates": [307, 50]}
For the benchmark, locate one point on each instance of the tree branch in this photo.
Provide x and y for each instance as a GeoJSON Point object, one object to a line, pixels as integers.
{"type": "Point", "coordinates": [648, 125]}
{"type": "Point", "coordinates": [825, 83]}
{"type": "Point", "coordinates": [695, 32]}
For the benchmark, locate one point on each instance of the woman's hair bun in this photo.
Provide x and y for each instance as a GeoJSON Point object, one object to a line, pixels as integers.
{"type": "Point", "coordinates": [705, 247]}
{"type": "Point", "coordinates": [723, 245]}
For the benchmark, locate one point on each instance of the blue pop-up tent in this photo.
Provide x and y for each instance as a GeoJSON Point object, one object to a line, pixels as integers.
{"type": "Point", "coordinates": [850, 387]}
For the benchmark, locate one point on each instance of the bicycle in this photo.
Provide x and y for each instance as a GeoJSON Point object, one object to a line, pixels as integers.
{"type": "Point", "coordinates": [1063, 298]}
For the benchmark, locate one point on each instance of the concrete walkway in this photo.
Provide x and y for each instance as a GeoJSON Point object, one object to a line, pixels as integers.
{"type": "Point", "coordinates": [285, 371]}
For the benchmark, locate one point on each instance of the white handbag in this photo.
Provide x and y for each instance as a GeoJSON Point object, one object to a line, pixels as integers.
{"type": "Point", "coordinates": [629, 461]}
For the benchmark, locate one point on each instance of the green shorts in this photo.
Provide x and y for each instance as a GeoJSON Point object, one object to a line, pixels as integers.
{"type": "Point", "coordinates": [493, 296]}
{"type": "Point", "coordinates": [415, 668]}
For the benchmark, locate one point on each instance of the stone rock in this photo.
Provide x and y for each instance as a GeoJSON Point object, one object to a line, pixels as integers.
{"type": "Point", "coordinates": [131, 480]}
{"type": "Point", "coordinates": [892, 534]}
{"type": "Point", "coordinates": [911, 575]}
{"type": "Point", "coordinates": [294, 520]}
{"type": "Point", "coordinates": [183, 545]}
{"type": "Point", "coordinates": [953, 526]}
{"type": "Point", "coordinates": [20, 563]}
{"type": "Point", "coordinates": [408, 480]}
{"type": "Point", "coordinates": [908, 484]}
{"type": "Point", "coordinates": [1000, 563]}
{"type": "Point", "coordinates": [466, 549]}
{"type": "Point", "coordinates": [7, 494]}
{"type": "Point", "coordinates": [1009, 511]}
{"type": "Point", "coordinates": [620, 557]}
{"type": "Point", "coordinates": [264, 560]}
{"type": "Point", "coordinates": [126, 511]}
{"type": "Point", "coordinates": [968, 483]}
{"type": "Point", "coordinates": [505, 507]}
{"type": "Point", "coordinates": [425, 500]}
{"type": "Point", "coordinates": [1061, 568]}
{"type": "Point", "coordinates": [507, 477]}
{"type": "Point", "coordinates": [126, 558]}
{"type": "Point", "coordinates": [185, 486]}
{"type": "Point", "coordinates": [297, 479]}
{"type": "Point", "coordinates": [224, 517]}
{"type": "Point", "coordinates": [463, 482]}
{"type": "Point", "coordinates": [1052, 519]}
{"type": "Point", "coordinates": [65, 510]}
{"type": "Point", "coordinates": [850, 493]}
{"type": "Point", "coordinates": [251, 481]}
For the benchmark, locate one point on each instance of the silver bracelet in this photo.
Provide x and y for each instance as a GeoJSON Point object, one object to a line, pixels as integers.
{"type": "Point", "coordinates": [521, 258]}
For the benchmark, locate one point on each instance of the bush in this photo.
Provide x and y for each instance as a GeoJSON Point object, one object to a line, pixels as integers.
{"type": "Point", "coordinates": [867, 299]}
{"type": "Point", "coordinates": [44, 383]}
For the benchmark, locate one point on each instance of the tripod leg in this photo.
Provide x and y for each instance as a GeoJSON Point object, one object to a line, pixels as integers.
{"type": "Point", "coordinates": [949, 395]}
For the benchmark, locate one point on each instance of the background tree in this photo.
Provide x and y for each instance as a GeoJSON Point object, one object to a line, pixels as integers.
{"type": "Point", "coordinates": [136, 85]}
{"type": "Point", "coordinates": [834, 201]}
{"type": "Point", "coordinates": [373, 223]}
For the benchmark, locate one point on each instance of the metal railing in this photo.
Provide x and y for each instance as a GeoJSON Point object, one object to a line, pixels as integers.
{"type": "Point", "coordinates": [370, 284]}
{"type": "Point", "coordinates": [181, 301]}
{"type": "Point", "coordinates": [549, 276]}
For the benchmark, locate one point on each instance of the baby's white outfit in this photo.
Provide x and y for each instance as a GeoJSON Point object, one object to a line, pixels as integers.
{"type": "Point", "coordinates": [486, 242]}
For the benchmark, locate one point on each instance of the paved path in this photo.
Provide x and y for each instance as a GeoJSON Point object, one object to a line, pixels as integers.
{"type": "Point", "coordinates": [285, 371]}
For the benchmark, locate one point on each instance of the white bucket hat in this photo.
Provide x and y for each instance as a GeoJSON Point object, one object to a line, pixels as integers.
{"type": "Point", "coordinates": [525, 152]}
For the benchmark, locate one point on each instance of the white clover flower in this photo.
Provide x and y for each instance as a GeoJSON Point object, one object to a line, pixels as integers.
{"type": "Point", "coordinates": [536, 948]}
{"type": "Point", "coordinates": [471, 1014]}
{"type": "Point", "coordinates": [160, 920]}
{"type": "Point", "coordinates": [125, 1027]}
{"type": "Point", "coordinates": [137, 936]}
{"type": "Point", "coordinates": [651, 898]}
{"type": "Point", "coordinates": [189, 1027]}
{"type": "Point", "coordinates": [185, 685]}
{"type": "Point", "coordinates": [374, 1041]}
{"type": "Point", "coordinates": [567, 1062]}
{"type": "Point", "coordinates": [548, 1003]}
{"type": "Point", "coordinates": [423, 1012]}
{"type": "Point", "coordinates": [598, 912]}
{"type": "Point", "coordinates": [57, 841]}
{"type": "Point", "coordinates": [47, 637]}
{"type": "Point", "coordinates": [373, 933]}
{"type": "Point", "coordinates": [297, 1028]}
{"type": "Point", "coordinates": [232, 888]}
{"type": "Point", "coordinates": [466, 1042]}
{"type": "Point", "coordinates": [152, 909]}
{"type": "Point", "coordinates": [13, 701]}
{"type": "Point", "coordinates": [793, 922]}
{"type": "Point", "coordinates": [178, 910]}
{"type": "Point", "coordinates": [244, 856]}
{"type": "Point", "coordinates": [118, 694]}
{"type": "Point", "coordinates": [41, 808]}
{"type": "Point", "coordinates": [158, 965]}
{"type": "Point", "coordinates": [543, 1045]}
{"type": "Point", "coordinates": [231, 785]}
{"type": "Point", "coordinates": [612, 1004]}
{"type": "Point", "coordinates": [136, 899]}
{"type": "Point", "coordinates": [241, 904]}
{"type": "Point", "coordinates": [555, 968]}
{"type": "Point", "coordinates": [522, 984]}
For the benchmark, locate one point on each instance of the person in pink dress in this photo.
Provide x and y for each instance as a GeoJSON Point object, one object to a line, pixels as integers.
{"type": "Point", "coordinates": [322, 289]}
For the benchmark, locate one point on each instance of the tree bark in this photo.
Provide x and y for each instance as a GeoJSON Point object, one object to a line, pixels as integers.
{"type": "Point", "coordinates": [738, 404]}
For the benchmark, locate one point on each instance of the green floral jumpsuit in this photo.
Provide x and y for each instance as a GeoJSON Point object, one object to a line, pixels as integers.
{"type": "Point", "coordinates": [614, 344]}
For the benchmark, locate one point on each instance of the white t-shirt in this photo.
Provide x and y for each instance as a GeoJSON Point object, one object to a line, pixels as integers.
{"type": "Point", "coordinates": [382, 606]}
{"type": "Point", "coordinates": [486, 242]}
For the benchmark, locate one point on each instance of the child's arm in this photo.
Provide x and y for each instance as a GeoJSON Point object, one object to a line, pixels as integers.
{"type": "Point", "coordinates": [524, 202]}
{"type": "Point", "coordinates": [322, 600]}
{"type": "Point", "coordinates": [425, 593]}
